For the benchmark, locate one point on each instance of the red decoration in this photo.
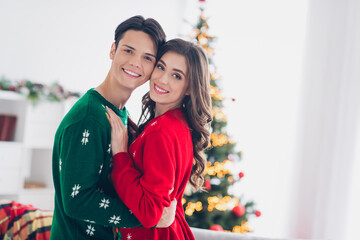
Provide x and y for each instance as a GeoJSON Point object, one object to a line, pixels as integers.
{"type": "Point", "coordinates": [257, 213]}
{"type": "Point", "coordinates": [216, 227]}
{"type": "Point", "coordinates": [201, 0]}
{"type": "Point", "coordinates": [241, 175]}
{"type": "Point", "coordinates": [239, 210]}
{"type": "Point", "coordinates": [233, 99]}
{"type": "Point", "coordinates": [207, 184]}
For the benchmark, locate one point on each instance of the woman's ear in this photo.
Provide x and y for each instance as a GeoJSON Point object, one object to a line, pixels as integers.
{"type": "Point", "coordinates": [112, 51]}
{"type": "Point", "coordinates": [187, 93]}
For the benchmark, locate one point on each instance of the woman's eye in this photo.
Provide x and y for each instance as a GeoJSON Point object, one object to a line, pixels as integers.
{"type": "Point", "coordinates": [128, 50]}
{"type": "Point", "coordinates": [177, 76]}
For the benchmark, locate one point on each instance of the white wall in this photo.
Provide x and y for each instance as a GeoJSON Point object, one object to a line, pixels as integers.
{"type": "Point", "coordinates": [69, 41]}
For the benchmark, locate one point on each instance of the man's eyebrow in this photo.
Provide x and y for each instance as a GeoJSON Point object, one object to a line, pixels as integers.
{"type": "Point", "coordinates": [149, 54]}
{"type": "Point", "coordinates": [129, 46]}
{"type": "Point", "coordinates": [162, 62]}
{"type": "Point", "coordinates": [175, 69]}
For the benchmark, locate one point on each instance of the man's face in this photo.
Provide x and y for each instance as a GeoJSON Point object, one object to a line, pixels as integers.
{"type": "Point", "coordinates": [133, 60]}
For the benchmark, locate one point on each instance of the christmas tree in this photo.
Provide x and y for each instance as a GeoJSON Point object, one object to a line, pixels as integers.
{"type": "Point", "coordinates": [215, 208]}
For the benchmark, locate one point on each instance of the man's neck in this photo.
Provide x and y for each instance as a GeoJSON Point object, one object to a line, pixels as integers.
{"type": "Point", "coordinates": [117, 95]}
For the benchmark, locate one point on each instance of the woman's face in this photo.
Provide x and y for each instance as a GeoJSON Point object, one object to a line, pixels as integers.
{"type": "Point", "coordinates": [169, 82]}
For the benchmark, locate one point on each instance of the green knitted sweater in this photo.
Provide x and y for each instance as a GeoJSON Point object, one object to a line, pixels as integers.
{"type": "Point", "coordinates": [86, 204]}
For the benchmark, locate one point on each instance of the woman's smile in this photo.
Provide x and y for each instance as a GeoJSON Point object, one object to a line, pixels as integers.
{"type": "Point", "coordinates": [159, 90]}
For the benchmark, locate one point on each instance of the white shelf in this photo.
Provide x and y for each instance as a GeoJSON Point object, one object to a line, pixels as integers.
{"type": "Point", "coordinates": [38, 191]}
{"type": "Point", "coordinates": [12, 96]}
{"type": "Point", "coordinates": [42, 198]}
{"type": "Point", "coordinates": [14, 104]}
{"type": "Point", "coordinates": [11, 162]}
{"type": "Point", "coordinates": [11, 143]}
{"type": "Point", "coordinates": [29, 157]}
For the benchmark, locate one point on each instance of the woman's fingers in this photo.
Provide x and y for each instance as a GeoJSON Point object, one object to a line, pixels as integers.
{"type": "Point", "coordinates": [119, 138]}
{"type": "Point", "coordinates": [113, 119]}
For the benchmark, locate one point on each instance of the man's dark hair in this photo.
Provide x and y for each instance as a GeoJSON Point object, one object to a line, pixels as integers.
{"type": "Point", "coordinates": [138, 23]}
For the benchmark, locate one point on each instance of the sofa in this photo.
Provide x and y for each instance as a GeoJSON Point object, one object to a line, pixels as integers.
{"type": "Point", "coordinates": [203, 234]}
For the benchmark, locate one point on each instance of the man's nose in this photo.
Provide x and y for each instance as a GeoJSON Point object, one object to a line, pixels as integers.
{"type": "Point", "coordinates": [135, 61]}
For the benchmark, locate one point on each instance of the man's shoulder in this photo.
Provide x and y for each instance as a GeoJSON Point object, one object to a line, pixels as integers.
{"type": "Point", "coordinates": [87, 108]}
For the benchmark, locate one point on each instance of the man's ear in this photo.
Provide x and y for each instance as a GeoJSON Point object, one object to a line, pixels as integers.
{"type": "Point", "coordinates": [112, 51]}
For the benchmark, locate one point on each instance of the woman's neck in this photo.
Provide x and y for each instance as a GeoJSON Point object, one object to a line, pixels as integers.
{"type": "Point", "coordinates": [160, 110]}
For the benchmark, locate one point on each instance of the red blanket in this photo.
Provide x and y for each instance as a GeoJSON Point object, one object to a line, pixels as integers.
{"type": "Point", "coordinates": [20, 222]}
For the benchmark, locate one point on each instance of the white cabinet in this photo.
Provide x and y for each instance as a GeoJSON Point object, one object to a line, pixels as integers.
{"type": "Point", "coordinates": [41, 123]}
{"type": "Point", "coordinates": [11, 158]}
{"type": "Point", "coordinates": [26, 162]}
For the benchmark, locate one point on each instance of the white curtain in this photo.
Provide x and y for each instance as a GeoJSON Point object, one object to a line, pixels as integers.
{"type": "Point", "coordinates": [328, 149]}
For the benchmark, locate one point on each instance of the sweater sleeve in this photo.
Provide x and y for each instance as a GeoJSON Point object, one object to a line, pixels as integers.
{"type": "Point", "coordinates": [82, 154]}
{"type": "Point", "coordinates": [147, 193]}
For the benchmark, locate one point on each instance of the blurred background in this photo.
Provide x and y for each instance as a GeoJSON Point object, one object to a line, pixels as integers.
{"type": "Point", "coordinates": [290, 77]}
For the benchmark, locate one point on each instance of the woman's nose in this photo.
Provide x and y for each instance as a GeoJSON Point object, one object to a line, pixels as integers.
{"type": "Point", "coordinates": [163, 78]}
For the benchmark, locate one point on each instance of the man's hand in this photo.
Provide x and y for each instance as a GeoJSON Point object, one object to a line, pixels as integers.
{"type": "Point", "coordinates": [168, 215]}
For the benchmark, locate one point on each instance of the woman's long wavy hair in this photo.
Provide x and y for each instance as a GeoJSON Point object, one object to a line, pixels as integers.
{"type": "Point", "coordinates": [196, 106]}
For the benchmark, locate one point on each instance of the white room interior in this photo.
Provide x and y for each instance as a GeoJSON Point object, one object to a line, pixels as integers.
{"type": "Point", "coordinates": [290, 65]}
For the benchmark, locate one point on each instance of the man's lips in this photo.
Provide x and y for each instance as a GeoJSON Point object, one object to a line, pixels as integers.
{"type": "Point", "coordinates": [131, 73]}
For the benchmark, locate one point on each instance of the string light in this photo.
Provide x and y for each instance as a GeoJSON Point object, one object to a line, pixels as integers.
{"type": "Point", "coordinates": [221, 204]}
{"type": "Point", "coordinates": [242, 229]}
{"type": "Point", "coordinates": [219, 168]}
{"type": "Point", "coordinates": [191, 207]}
{"type": "Point", "coordinates": [218, 140]}
{"type": "Point", "coordinates": [215, 93]}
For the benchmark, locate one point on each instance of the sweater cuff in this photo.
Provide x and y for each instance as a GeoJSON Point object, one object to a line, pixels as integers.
{"type": "Point", "coordinates": [121, 155]}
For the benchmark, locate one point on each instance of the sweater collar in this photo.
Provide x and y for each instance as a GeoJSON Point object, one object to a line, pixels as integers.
{"type": "Point", "coordinates": [123, 113]}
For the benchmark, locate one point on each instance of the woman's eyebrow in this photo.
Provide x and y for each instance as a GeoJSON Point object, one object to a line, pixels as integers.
{"type": "Point", "coordinates": [178, 70]}
{"type": "Point", "coordinates": [175, 69]}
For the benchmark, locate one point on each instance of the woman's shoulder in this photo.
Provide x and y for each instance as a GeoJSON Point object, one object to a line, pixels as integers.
{"type": "Point", "coordinates": [171, 121]}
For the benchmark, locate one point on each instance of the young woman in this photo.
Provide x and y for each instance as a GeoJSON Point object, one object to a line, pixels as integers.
{"type": "Point", "coordinates": [168, 152]}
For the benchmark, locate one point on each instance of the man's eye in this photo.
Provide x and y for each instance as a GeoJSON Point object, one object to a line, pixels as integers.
{"type": "Point", "coordinates": [159, 66]}
{"type": "Point", "coordinates": [128, 50]}
{"type": "Point", "coordinates": [148, 59]}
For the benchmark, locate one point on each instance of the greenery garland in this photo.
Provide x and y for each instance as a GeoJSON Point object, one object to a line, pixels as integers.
{"type": "Point", "coordinates": [37, 92]}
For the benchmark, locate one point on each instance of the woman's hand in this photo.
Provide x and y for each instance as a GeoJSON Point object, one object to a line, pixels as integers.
{"type": "Point", "coordinates": [119, 134]}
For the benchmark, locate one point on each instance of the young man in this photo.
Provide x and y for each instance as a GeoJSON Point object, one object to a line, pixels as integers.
{"type": "Point", "coordinates": [86, 204]}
